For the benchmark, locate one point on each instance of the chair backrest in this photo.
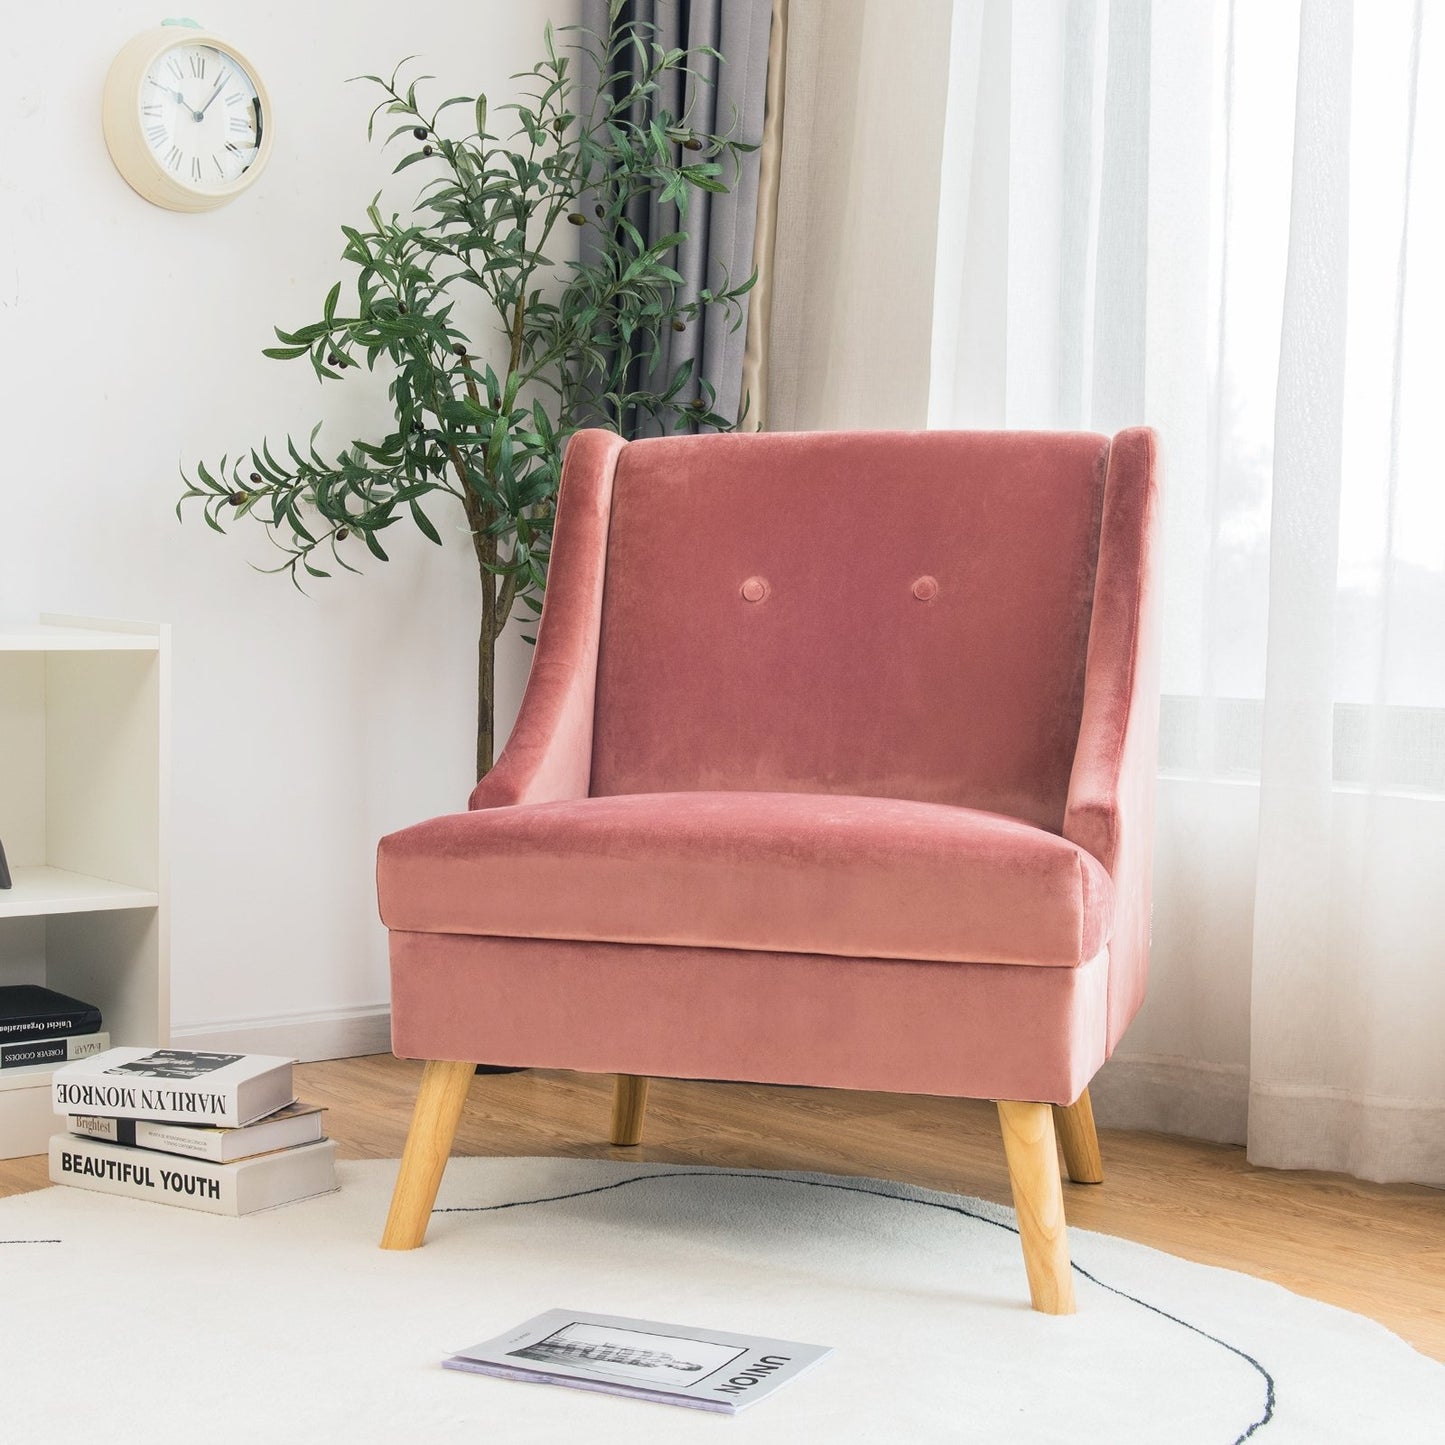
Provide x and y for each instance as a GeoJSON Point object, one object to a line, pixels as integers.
{"type": "Point", "coordinates": [895, 615]}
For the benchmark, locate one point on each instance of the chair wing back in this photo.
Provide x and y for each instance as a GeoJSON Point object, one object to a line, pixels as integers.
{"type": "Point", "coordinates": [895, 615]}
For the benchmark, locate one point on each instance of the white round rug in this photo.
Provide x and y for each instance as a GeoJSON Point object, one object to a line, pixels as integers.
{"type": "Point", "coordinates": [124, 1321]}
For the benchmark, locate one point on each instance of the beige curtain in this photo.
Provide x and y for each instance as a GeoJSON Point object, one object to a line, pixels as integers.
{"type": "Point", "coordinates": [857, 214]}
{"type": "Point", "coordinates": [1220, 218]}
{"type": "Point", "coordinates": [756, 353]}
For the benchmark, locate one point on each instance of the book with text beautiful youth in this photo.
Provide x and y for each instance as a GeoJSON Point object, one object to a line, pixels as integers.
{"type": "Point", "coordinates": [178, 1085]}
{"type": "Point", "coordinates": [28, 1011]}
{"type": "Point", "coordinates": [285, 1129]}
{"type": "Point", "coordinates": [34, 1052]}
{"type": "Point", "coordinates": [240, 1188]}
{"type": "Point", "coordinates": [703, 1369]}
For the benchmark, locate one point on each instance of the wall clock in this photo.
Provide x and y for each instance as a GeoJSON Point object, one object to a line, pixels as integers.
{"type": "Point", "coordinates": [187, 120]}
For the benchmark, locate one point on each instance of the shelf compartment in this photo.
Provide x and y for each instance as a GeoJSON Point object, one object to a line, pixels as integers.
{"type": "Point", "coordinates": [70, 639]}
{"type": "Point", "coordinates": [31, 1076]}
{"type": "Point", "coordinates": [41, 892]}
{"type": "Point", "coordinates": [84, 734]}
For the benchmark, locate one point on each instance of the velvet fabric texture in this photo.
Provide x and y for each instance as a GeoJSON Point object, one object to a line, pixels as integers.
{"type": "Point", "coordinates": [895, 574]}
{"type": "Point", "coordinates": [548, 755]}
{"type": "Point", "coordinates": [1110, 808]}
{"type": "Point", "coordinates": [812, 713]}
{"type": "Point", "coordinates": [780, 872]}
{"type": "Point", "coordinates": [970, 1030]}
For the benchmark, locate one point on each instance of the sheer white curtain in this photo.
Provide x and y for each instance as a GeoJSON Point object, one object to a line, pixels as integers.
{"type": "Point", "coordinates": [1227, 219]}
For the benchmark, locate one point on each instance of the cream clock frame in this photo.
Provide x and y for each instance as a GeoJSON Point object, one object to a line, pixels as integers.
{"type": "Point", "coordinates": [152, 99]}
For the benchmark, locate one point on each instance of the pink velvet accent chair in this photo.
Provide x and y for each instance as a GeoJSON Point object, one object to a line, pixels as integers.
{"type": "Point", "coordinates": [835, 768]}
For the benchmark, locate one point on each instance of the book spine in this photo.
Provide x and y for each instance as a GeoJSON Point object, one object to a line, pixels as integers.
{"type": "Point", "coordinates": [112, 1131]}
{"type": "Point", "coordinates": [53, 1051]}
{"type": "Point", "coordinates": [174, 1100]}
{"type": "Point", "coordinates": [182, 1140]}
{"type": "Point", "coordinates": [138, 1174]}
{"type": "Point", "coordinates": [47, 1026]}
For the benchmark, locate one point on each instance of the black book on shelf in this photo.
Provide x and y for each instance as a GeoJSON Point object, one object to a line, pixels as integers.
{"type": "Point", "coordinates": [28, 1011]}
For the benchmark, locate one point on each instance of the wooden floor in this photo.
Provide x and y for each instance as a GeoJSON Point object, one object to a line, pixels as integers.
{"type": "Point", "coordinates": [1377, 1249]}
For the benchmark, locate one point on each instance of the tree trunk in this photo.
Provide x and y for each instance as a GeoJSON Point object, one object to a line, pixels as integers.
{"type": "Point", "coordinates": [479, 520]}
{"type": "Point", "coordinates": [486, 657]}
{"type": "Point", "coordinates": [486, 679]}
{"type": "Point", "coordinates": [485, 547]}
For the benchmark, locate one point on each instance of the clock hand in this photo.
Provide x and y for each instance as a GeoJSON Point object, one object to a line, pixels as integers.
{"type": "Point", "coordinates": [211, 101]}
{"type": "Point", "coordinates": [174, 94]}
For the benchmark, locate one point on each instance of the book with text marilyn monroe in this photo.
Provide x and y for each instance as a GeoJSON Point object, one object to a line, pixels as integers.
{"type": "Point", "coordinates": [52, 1051]}
{"type": "Point", "coordinates": [286, 1128]}
{"type": "Point", "coordinates": [178, 1085]}
{"type": "Point", "coordinates": [670, 1364]}
{"type": "Point", "coordinates": [244, 1187]}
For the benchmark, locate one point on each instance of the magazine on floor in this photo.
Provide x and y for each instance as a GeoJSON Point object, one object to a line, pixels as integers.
{"type": "Point", "coordinates": [703, 1369]}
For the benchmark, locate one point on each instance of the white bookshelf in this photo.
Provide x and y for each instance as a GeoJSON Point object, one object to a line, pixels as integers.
{"type": "Point", "coordinates": [84, 735]}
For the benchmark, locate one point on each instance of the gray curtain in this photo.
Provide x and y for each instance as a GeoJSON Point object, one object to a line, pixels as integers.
{"type": "Point", "coordinates": [725, 99]}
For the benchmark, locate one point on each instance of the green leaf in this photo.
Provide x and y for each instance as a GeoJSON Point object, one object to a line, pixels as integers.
{"type": "Point", "coordinates": [423, 522]}
{"type": "Point", "coordinates": [485, 235]}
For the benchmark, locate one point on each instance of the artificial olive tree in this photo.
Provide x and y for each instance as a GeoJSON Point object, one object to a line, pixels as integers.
{"type": "Point", "coordinates": [578, 338]}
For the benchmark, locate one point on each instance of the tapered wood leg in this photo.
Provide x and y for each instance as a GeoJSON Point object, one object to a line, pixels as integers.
{"type": "Point", "coordinates": [629, 1106]}
{"type": "Point", "coordinates": [1074, 1124]}
{"type": "Point", "coordinates": [1033, 1171]}
{"type": "Point", "coordinates": [439, 1101]}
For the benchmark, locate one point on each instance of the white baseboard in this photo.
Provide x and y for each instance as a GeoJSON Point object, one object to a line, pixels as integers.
{"type": "Point", "coordinates": [1173, 1096]}
{"type": "Point", "coordinates": [333, 1034]}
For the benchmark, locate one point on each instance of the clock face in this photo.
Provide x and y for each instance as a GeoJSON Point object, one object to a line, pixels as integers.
{"type": "Point", "coordinates": [201, 116]}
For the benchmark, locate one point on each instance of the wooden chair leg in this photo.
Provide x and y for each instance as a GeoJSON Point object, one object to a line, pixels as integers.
{"type": "Point", "coordinates": [629, 1106]}
{"type": "Point", "coordinates": [439, 1101]}
{"type": "Point", "coordinates": [1074, 1124]}
{"type": "Point", "coordinates": [1033, 1171]}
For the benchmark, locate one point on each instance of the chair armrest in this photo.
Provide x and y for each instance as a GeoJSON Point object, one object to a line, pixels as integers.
{"type": "Point", "coordinates": [548, 756]}
{"type": "Point", "coordinates": [1110, 807]}
{"type": "Point", "coordinates": [1115, 757]}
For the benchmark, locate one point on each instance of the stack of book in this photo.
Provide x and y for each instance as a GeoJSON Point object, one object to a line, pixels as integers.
{"type": "Point", "coordinates": [218, 1132]}
{"type": "Point", "coordinates": [39, 1028]}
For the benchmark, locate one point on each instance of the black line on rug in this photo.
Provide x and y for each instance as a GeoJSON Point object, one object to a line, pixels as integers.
{"type": "Point", "coordinates": [31, 1241]}
{"type": "Point", "coordinates": [1264, 1374]}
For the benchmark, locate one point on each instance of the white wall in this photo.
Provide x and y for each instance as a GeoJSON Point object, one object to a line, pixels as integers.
{"type": "Point", "coordinates": [305, 726]}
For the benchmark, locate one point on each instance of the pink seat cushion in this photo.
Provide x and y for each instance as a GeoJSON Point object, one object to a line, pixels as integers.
{"type": "Point", "coordinates": [851, 876]}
